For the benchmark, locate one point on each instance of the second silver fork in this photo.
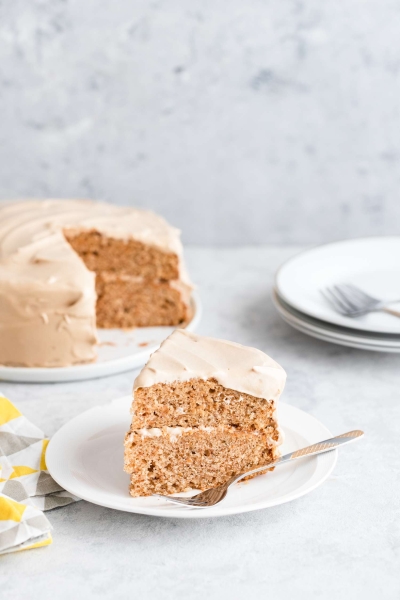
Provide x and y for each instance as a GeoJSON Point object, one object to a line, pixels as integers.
{"type": "Point", "coordinates": [351, 301]}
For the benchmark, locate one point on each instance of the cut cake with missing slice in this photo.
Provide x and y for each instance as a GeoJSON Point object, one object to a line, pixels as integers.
{"type": "Point", "coordinates": [203, 411]}
{"type": "Point", "coordinates": [68, 267]}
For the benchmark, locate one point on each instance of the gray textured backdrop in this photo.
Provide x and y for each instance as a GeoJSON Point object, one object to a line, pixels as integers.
{"type": "Point", "coordinates": [241, 122]}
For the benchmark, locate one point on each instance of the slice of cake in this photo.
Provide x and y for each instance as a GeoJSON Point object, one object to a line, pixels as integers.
{"type": "Point", "coordinates": [67, 266]}
{"type": "Point", "coordinates": [203, 411]}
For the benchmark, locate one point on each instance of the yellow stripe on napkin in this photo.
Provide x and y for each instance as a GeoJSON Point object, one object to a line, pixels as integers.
{"type": "Point", "coordinates": [21, 470]}
{"type": "Point", "coordinates": [8, 412]}
{"type": "Point", "coordinates": [11, 510]}
{"type": "Point", "coordinates": [46, 542]}
{"type": "Point", "coordinates": [43, 466]}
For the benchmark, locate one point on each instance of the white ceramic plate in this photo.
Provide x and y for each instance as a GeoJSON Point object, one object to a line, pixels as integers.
{"type": "Point", "coordinates": [119, 351]}
{"type": "Point", "coordinates": [371, 263]}
{"type": "Point", "coordinates": [335, 335]}
{"type": "Point", "coordinates": [86, 458]}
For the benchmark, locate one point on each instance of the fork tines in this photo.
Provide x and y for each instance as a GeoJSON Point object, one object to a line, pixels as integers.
{"type": "Point", "coordinates": [349, 300]}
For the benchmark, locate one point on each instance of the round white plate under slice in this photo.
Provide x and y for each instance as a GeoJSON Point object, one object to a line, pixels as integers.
{"type": "Point", "coordinates": [335, 335]}
{"type": "Point", "coordinates": [371, 263]}
{"type": "Point", "coordinates": [119, 350]}
{"type": "Point", "coordinates": [86, 458]}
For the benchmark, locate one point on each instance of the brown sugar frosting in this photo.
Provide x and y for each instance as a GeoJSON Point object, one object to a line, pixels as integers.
{"type": "Point", "coordinates": [184, 356]}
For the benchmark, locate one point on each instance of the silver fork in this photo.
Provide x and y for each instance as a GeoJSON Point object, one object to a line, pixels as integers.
{"type": "Point", "coordinates": [350, 301]}
{"type": "Point", "coordinates": [212, 496]}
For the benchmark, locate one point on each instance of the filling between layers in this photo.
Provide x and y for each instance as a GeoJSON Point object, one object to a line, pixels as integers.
{"type": "Point", "coordinates": [175, 432]}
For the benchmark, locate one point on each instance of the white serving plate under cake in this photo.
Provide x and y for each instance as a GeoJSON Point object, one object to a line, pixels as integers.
{"type": "Point", "coordinates": [373, 264]}
{"type": "Point", "coordinates": [86, 457]}
{"type": "Point", "coordinates": [119, 350]}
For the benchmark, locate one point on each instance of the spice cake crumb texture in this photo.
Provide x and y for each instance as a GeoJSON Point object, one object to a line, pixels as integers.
{"type": "Point", "coordinates": [203, 411]}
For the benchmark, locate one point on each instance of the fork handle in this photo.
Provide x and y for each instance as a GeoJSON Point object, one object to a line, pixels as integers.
{"type": "Point", "coordinates": [391, 311]}
{"type": "Point", "coordinates": [318, 448]}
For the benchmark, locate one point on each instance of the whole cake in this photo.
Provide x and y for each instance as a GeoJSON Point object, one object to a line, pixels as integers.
{"type": "Point", "coordinates": [203, 410]}
{"type": "Point", "coordinates": [67, 265]}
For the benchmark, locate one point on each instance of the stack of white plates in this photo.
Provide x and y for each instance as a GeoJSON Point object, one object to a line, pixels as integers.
{"type": "Point", "coordinates": [373, 264]}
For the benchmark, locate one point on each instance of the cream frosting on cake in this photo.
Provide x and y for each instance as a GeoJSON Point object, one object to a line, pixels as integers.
{"type": "Point", "coordinates": [47, 294]}
{"type": "Point", "coordinates": [184, 356]}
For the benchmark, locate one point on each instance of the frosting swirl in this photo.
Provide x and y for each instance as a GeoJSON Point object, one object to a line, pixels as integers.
{"type": "Point", "coordinates": [184, 356]}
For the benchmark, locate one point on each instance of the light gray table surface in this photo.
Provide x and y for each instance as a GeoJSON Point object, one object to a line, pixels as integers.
{"type": "Point", "coordinates": [340, 541]}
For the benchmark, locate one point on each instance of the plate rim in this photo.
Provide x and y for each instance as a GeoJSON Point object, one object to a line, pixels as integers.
{"type": "Point", "coordinates": [341, 332]}
{"type": "Point", "coordinates": [321, 473]}
{"type": "Point", "coordinates": [320, 334]}
{"type": "Point", "coordinates": [93, 370]}
{"type": "Point", "coordinates": [316, 247]}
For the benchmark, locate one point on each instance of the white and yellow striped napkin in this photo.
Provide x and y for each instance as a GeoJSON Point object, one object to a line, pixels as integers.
{"type": "Point", "coordinates": [26, 487]}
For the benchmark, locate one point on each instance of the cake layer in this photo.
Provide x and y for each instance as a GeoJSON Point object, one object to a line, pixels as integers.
{"type": "Point", "coordinates": [198, 402]}
{"type": "Point", "coordinates": [130, 257]}
{"type": "Point", "coordinates": [169, 462]}
{"type": "Point", "coordinates": [124, 301]}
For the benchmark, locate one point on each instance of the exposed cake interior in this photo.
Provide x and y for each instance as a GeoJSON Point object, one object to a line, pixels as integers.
{"type": "Point", "coordinates": [137, 285]}
{"type": "Point", "coordinates": [124, 301]}
{"type": "Point", "coordinates": [189, 429]}
{"type": "Point", "coordinates": [197, 403]}
{"type": "Point", "coordinates": [101, 253]}
{"type": "Point", "coordinates": [170, 460]}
